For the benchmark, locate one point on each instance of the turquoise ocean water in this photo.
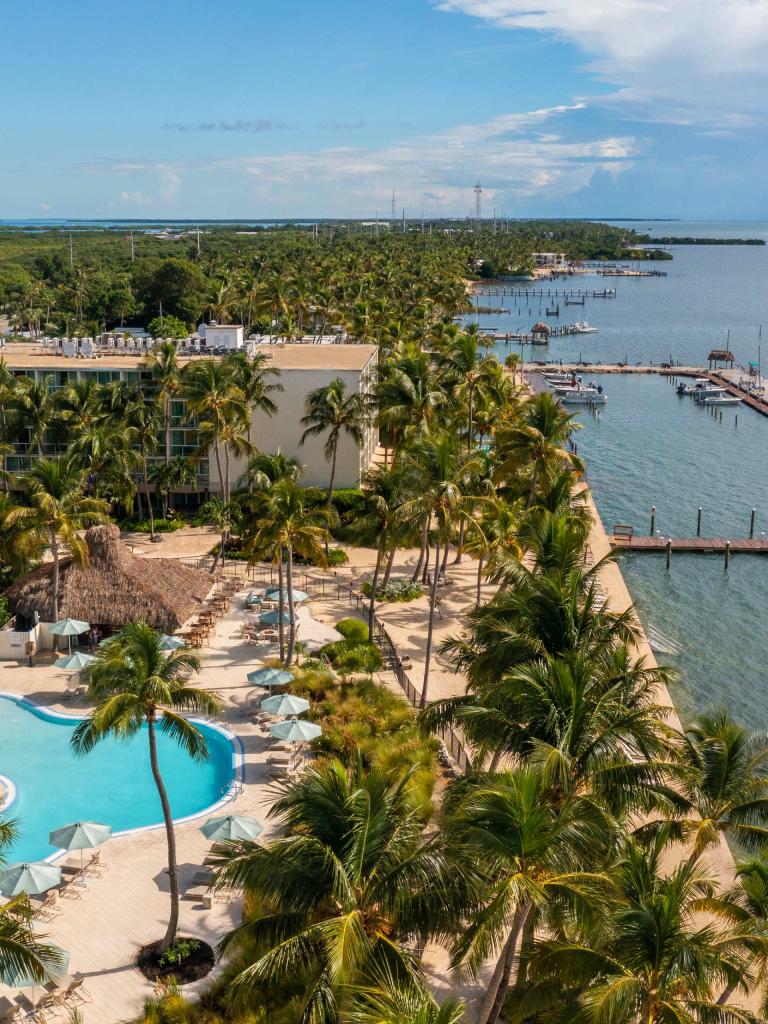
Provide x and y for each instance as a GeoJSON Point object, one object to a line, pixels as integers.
{"type": "Point", "coordinates": [651, 448]}
{"type": "Point", "coordinates": [113, 784]}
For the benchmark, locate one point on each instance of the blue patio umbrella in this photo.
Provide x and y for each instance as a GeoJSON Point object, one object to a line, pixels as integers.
{"type": "Point", "coordinates": [170, 643]}
{"type": "Point", "coordinates": [273, 618]}
{"type": "Point", "coordinates": [75, 662]}
{"type": "Point", "coordinates": [231, 827]}
{"type": "Point", "coordinates": [293, 730]}
{"type": "Point", "coordinates": [70, 628]}
{"type": "Point", "coordinates": [285, 704]}
{"type": "Point", "coordinates": [32, 878]}
{"type": "Point", "coordinates": [273, 594]}
{"type": "Point", "coordinates": [270, 677]}
{"type": "Point", "coordinates": [80, 835]}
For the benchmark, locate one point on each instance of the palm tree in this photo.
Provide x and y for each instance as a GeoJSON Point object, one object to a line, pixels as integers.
{"type": "Point", "coordinates": [537, 442]}
{"type": "Point", "coordinates": [163, 361]}
{"type": "Point", "coordinates": [343, 892]}
{"type": "Point", "coordinates": [440, 476]}
{"type": "Point", "coordinates": [22, 950]}
{"type": "Point", "coordinates": [409, 398]}
{"type": "Point", "coordinates": [331, 410]}
{"type": "Point", "coordinates": [287, 525]}
{"type": "Point", "coordinates": [55, 491]}
{"type": "Point", "coordinates": [266, 469]}
{"type": "Point", "coordinates": [646, 957]}
{"type": "Point", "coordinates": [532, 854]}
{"type": "Point", "coordinates": [38, 408]}
{"type": "Point", "coordinates": [20, 540]}
{"type": "Point", "coordinates": [8, 396]}
{"type": "Point", "coordinates": [169, 477]}
{"type": "Point", "coordinates": [134, 682]}
{"type": "Point", "coordinates": [223, 516]}
{"type": "Point", "coordinates": [251, 374]}
{"type": "Point", "coordinates": [724, 786]}
{"type": "Point", "coordinates": [389, 1001]}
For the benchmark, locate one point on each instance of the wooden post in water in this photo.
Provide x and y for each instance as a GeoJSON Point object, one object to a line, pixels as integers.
{"type": "Point", "coordinates": [698, 522]}
{"type": "Point", "coordinates": [727, 554]}
{"type": "Point", "coordinates": [653, 520]}
{"type": "Point", "coordinates": [669, 553]}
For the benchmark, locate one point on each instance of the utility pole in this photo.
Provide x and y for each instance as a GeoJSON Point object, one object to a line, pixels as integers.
{"type": "Point", "coordinates": [478, 204]}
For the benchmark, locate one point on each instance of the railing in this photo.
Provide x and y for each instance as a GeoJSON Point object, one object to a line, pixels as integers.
{"type": "Point", "coordinates": [338, 590]}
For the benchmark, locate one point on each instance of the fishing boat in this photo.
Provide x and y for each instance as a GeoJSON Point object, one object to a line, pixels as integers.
{"type": "Point", "coordinates": [724, 399]}
{"type": "Point", "coordinates": [582, 327]}
{"type": "Point", "coordinates": [583, 396]}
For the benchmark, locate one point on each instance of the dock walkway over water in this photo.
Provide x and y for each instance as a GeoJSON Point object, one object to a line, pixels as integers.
{"type": "Point", "coordinates": [691, 545]}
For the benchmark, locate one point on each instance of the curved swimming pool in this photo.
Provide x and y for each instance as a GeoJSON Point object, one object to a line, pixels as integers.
{"type": "Point", "coordinates": [113, 784]}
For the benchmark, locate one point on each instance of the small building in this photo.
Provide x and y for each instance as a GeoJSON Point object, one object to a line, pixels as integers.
{"type": "Point", "coordinates": [720, 355]}
{"type": "Point", "coordinates": [540, 333]}
{"type": "Point", "coordinates": [112, 588]}
{"type": "Point", "coordinates": [228, 336]}
{"type": "Point", "coordinates": [550, 260]}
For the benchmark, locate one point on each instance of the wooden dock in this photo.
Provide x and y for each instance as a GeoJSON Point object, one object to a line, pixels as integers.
{"type": "Point", "coordinates": [691, 545]}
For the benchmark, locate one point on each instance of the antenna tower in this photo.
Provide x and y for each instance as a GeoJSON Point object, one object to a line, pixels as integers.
{"type": "Point", "coordinates": [478, 202]}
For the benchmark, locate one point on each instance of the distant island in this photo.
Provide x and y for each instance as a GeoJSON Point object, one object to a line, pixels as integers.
{"type": "Point", "coordinates": [674, 240]}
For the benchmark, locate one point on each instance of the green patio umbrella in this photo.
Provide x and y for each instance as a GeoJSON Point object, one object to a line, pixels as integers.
{"type": "Point", "coordinates": [32, 878]}
{"type": "Point", "coordinates": [170, 643]}
{"type": "Point", "coordinates": [270, 677]}
{"type": "Point", "coordinates": [70, 628]}
{"type": "Point", "coordinates": [273, 618]}
{"type": "Point", "coordinates": [273, 594]}
{"type": "Point", "coordinates": [285, 704]}
{"type": "Point", "coordinates": [56, 964]}
{"type": "Point", "coordinates": [230, 827]}
{"type": "Point", "coordinates": [80, 835]}
{"type": "Point", "coordinates": [293, 730]}
{"type": "Point", "coordinates": [75, 662]}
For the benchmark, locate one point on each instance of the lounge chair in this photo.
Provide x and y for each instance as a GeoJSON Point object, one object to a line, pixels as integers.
{"type": "Point", "coordinates": [198, 894]}
{"type": "Point", "coordinates": [95, 866]}
{"type": "Point", "coordinates": [48, 909]}
{"type": "Point", "coordinates": [76, 993]}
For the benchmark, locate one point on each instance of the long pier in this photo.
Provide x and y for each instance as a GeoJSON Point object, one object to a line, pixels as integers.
{"type": "Point", "coordinates": [691, 545]}
{"type": "Point", "coordinates": [548, 293]}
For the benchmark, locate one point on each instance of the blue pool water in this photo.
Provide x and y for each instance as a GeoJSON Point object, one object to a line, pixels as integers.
{"type": "Point", "coordinates": [113, 784]}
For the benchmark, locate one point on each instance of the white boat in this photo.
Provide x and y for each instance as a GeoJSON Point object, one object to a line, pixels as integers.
{"type": "Point", "coordinates": [560, 378]}
{"type": "Point", "coordinates": [581, 327]}
{"type": "Point", "coordinates": [583, 396]}
{"type": "Point", "coordinates": [724, 399]}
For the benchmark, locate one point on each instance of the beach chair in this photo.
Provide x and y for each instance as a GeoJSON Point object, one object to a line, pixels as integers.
{"type": "Point", "coordinates": [198, 894]}
{"type": "Point", "coordinates": [72, 887]}
{"type": "Point", "coordinates": [76, 994]}
{"type": "Point", "coordinates": [95, 866]}
{"type": "Point", "coordinates": [48, 908]}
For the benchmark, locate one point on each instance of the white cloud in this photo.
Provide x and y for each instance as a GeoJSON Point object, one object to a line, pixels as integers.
{"type": "Point", "coordinates": [134, 199]}
{"type": "Point", "coordinates": [675, 61]}
{"type": "Point", "coordinates": [516, 156]}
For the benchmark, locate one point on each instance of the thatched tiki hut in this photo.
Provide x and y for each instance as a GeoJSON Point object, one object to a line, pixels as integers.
{"type": "Point", "coordinates": [720, 355]}
{"type": "Point", "coordinates": [113, 587]}
{"type": "Point", "coordinates": [540, 333]}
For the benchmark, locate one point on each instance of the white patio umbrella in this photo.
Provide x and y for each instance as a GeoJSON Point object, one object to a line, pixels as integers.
{"type": "Point", "coordinates": [293, 730]}
{"type": "Point", "coordinates": [80, 835]}
{"type": "Point", "coordinates": [269, 677]}
{"type": "Point", "coordinates": [70, 628]}
{"type": "Point", "coordinates": [75, 662]}
{"type": "Point", "coordinates": [32, 878]}
{"type": "Point", "coordinates": [170, 643]}
{"type": "Point", "coordinates": [285, 704]}
{"type": "Point", "coordinates": [231, 827]}
{"type": "Point", "coordinates": [297, 596]}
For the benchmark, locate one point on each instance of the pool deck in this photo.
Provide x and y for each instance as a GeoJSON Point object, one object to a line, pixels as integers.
{"type": "Point", "coordinates": [128, 906]}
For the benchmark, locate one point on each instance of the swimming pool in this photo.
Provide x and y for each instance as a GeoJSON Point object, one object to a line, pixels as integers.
{"type": "Point", "coordinates": [50, 787]}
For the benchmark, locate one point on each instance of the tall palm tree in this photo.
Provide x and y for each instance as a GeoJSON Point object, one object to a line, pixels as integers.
{"type": "Point", "coordinates": [342, 892]}
{"type": "Point", "coordinates": [252, 375]}
{"type": "Point", "coordinates": [331, 411]}
{"type": "Point", "coordinates": [647, 956]}
{"type": "Point", "coordinates": [287, 525]}
{"type": "Point", "coordinates": [223, 516]}
{"type": "Point", "coordinates": [134, 683]}
{"type": "Point", "coordinates": [531, 854]}
{"type": "Point", "coordinates": [171, 477]}
{"type": "Point", "coordinates": [538, 442]}
{"type": "Point", "coordinates": [410, 398]}
{"type": "Point", "coordinates": [441, 475]}
{"type": "Point", "coordinates": [55, 491]}
{"type": "Point", "coordinates": [38, 409]}
{"type": "Point", "coordinates": [266, 469]}
{"type": "Point", "coordinates": [9, 389]}
{"type": "Point", "coordinates": [163, 361]}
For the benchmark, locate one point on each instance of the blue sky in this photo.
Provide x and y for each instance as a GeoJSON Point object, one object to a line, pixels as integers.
{"type": "Point", "coordinates": [248, 108]}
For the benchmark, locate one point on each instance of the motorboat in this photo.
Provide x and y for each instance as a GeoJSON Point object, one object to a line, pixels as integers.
{"type": "Point", "coordinates": [724, 399]}
{"type": "Point", "coordinates": [583, 396]}
{"type": "Point", "coordinates": [581, 327]}
{"type": "Point", "coordinates": [560, 378]}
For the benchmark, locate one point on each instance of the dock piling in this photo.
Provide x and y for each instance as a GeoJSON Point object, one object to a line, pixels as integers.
{"type": "Point", "coordinates": [727, 554]}
{"type": "Point", "coordinates": [698, 522]}
{"type": "Point", "coordinates": [669, 553]}
{"type": "Point", "coordinates": [752, 524]}
{"type": "Point", "coordinates": [652, 531]}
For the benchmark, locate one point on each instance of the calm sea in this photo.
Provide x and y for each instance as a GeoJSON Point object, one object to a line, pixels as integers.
{"type": "Point", "coordinates": [650, 447]}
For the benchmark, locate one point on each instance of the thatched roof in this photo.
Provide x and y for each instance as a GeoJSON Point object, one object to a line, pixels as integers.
{"type": "Point", "coordinates": [718, 354]}
{"type": "Point", "coordinates": [541, 328]}
{"type": "Point", "coordinates": [113, 587]}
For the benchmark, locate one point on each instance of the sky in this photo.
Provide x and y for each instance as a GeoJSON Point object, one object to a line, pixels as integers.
{"type": "Point", "coordinates": [320, 108]}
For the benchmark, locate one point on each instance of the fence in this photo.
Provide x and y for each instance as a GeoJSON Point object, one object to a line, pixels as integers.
{"type": "Point", "coordinates": [337, 590]}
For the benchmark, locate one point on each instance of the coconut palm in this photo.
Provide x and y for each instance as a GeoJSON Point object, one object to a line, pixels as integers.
{"type": "Point", "coordinates": [331, 411]}
{"type": "Point", "coordinates": [537, 442]}
{"type": "Point", "coordinates": [388, 1001]}
{"type": "Point", "coordinates": [343, 891]}
{"type": "Point", "coordinates": [37, 408]}
{"type": "Point", "coordinates": [266, 469]}
{"type": "Point", "coordinates": [223, 516]}
{"type": "Point", "coordinates": [409, 397]}
{"type": "Point", "coordinates": [133, 683]}
{"type": "Point", "coordinates": [9, 388]}
{"type": "Point", "coordinates": [287, 525]}
{"type": "Point", "coordinates": [171, 477]}
{"type": "Point", "coordinates": [163, 361]}
{"type": "Point", "coordinates": [646, 957]}
{"type": "Point", "coordinates": [441, 475]}
{"type": "Point", "coordinates": [55, 490]}
{"type": "Point", "coordinates": [251, 374]}
{"type": "Point", "coordinates": [532, 854]}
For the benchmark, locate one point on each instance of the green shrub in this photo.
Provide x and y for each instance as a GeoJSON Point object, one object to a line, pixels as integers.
{"type": "Point", "coordinates": [142, 525]}
{"type": "Point", "coordinates": [4, 611]}
{"type": "Point", "coordinates": [352, 629]}
{"type": "Point", "coordinates": [336, 556]}
{"type": "Point", "coordinates": [396, 590]}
